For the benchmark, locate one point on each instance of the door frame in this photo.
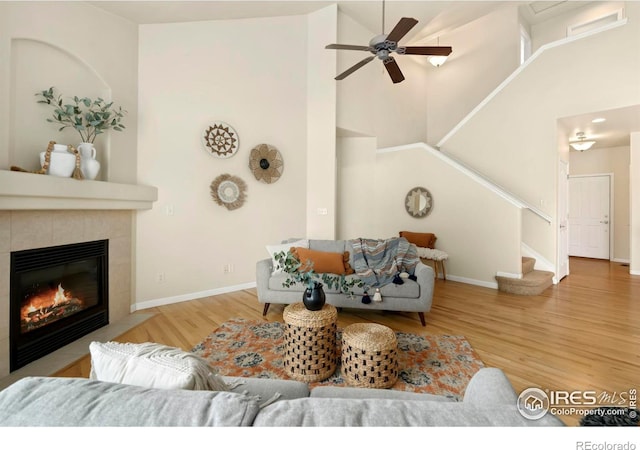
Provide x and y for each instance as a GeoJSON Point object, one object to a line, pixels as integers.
{"type": "Point", "coordinates": [611, 204]}
{"type": "Point", "coordinates": [563, 191]}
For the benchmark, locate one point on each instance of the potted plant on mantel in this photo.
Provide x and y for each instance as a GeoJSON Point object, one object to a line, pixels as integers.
{"type": "Point", "coordinates": [313, 297]}
{"type": "Point", "coordinates": [89, 118]}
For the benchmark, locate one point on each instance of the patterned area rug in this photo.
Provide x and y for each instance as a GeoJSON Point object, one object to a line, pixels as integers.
{"type": "Point", "coordinates": [440, 365]}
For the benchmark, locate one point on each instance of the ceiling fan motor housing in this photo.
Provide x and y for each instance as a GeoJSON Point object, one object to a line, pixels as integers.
{"type": "Point", "coordinates": [381, 47]}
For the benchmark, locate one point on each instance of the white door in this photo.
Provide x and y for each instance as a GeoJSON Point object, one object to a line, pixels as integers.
{"type": "Point", "coordinates": [589, 216]}
{"type": "Point", "coordinates": [563, 220]}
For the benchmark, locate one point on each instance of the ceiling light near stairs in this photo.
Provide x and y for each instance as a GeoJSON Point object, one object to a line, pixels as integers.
{"type": "Point", "coordinates": [581, 144]}
{"type": "Point", "coordinates": [437, 60]}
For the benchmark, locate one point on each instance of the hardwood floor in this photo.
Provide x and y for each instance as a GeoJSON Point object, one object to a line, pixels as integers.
{"type": "Point", "coordinates": [581, 334]}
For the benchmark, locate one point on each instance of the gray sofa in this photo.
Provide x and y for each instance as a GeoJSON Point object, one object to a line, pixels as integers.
{"type": "Point", "coordinates": [411, 296]}
{"type": "Point", "coordinates": [489, 400]}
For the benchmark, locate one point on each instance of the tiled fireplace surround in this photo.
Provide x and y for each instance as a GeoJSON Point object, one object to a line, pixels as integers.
{"type": "Point", "coordinates": [23, 230]}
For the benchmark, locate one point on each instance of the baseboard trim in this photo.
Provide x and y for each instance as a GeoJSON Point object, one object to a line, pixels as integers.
{"type": "Point", "coordinates": [542, 263]}
{"type": "Point", "coordinates": [191, 296]}
{"type": "Point", "coordinates": [634, 272]}
{"type": "Point", "coordinates": [487, 284]}
{"type": "Point", "coordinates": [509, 275]}
{"type": "Point", "coordinates": [621, 260]}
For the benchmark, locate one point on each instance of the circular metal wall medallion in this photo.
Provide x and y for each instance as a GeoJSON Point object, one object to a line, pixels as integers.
{"type": "Point", "coordinates": [221, 140]}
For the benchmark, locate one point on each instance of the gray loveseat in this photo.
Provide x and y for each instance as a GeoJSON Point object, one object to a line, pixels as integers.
{"type": "Point", "coordinates": [489, 400]}
{"type": "Point", "coordinates": [411, 296]}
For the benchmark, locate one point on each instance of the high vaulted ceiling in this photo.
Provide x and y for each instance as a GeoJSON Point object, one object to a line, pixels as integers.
{"type": "Point", "coordinates": [434, 17]}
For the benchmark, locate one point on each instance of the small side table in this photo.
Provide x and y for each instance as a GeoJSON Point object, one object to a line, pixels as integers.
{"type": "Point", "coordinates": [310, 342]}
{"type": "Point", "coordinates": [438, 257]}
{"type": "Point", "coordinates": [369, 355]}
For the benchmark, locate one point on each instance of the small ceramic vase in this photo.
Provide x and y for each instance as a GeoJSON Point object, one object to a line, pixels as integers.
{"type": "Point", "coordinates": [61, 163]}
{"type": "Point", "coordinates": [89, 165]}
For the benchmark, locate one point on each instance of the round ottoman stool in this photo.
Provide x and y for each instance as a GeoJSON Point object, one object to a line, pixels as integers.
{"type": "Point", "coordinates": [310, 342]}
{"type": "Point", "coordinates": [369, 355]}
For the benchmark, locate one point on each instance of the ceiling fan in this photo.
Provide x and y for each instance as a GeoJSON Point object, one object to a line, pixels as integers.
{"type": "Point", "coordinates": [383, 45]}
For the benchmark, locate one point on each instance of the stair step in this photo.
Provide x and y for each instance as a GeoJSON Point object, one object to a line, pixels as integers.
{"type": "Point", "coordinates": [531, 283]}
{"type": "Point", "coordinates": [528, 264]}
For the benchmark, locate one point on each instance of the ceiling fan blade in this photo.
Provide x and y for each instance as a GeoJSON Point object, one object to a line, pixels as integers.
{"type": "Point", "coordinates": [353, 68]}
{"type": "Point", "coordinates": [348, 47]}
{"type": "Point", "coordinates": [430, 51]}
{"type": "Point", "coordinates": [401, 29]}
{"type": "Point", "coordinates": [394, 71]}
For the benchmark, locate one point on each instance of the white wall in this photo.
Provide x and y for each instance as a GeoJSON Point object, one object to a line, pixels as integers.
{"type": "Point", "coordinates": [321, 125]}
{"type": "Point", "coordinates": [251, 74]}
{"type": "Point", "coordinates": [357, 200]}
{"type": "Point", "coordinates": [616, 161]}
{"type": "Point", "coordinates": [485, 52]}
{"type": "Point", "coordinates": [479, 230]}
{"type": "Point", "coordinates": [83, 51]}
{"type": "Point", "coordinates": [369, 102]}
{"type": "Point", "coordinates": [556, 28]}
{"type": "Point", "coordinates": [512, 139]}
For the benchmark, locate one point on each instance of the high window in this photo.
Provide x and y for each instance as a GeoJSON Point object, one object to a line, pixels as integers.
{"type": "Point", "coordinates": [525, 45]}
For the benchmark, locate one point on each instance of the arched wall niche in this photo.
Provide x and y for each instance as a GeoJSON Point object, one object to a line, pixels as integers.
{"type": "Point", "coordinates": [35, 66]}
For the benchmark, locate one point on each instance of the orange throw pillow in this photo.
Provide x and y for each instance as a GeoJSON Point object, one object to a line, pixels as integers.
{"type": "Point", "coordinates": [322, 262]}
{"type": "Point", "coordinates": [425, 240]}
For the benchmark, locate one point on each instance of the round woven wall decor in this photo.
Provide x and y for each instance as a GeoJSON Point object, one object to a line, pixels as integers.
{"type": "Point", "coordinates": [266, 163]}
{"type": "Point", "coordinates": [221, 140]}
{"type": "Point", "coordinates": [228, 191]}
{"type": "Point", "coordinates": [418, 202]}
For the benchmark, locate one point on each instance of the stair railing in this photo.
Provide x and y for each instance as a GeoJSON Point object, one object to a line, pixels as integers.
{"type": "Point", "coordinates": [473, 174]}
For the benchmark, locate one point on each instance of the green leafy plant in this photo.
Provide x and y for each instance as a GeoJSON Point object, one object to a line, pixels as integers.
{"type": "Point", "coordinates": [306, 275]}
{"type": "Point", "coordinates": [88, 117]}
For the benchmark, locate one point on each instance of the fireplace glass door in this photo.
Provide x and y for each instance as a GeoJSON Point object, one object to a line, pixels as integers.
{"type": "Point", "coordinates": [58, 294]}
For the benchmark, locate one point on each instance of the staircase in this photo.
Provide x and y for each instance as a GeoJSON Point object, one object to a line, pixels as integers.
{"type": "Point", "coordinates": [533, 282]}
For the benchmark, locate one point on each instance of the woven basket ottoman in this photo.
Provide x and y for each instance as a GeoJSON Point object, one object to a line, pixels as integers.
{"type": "Point", "coordinates": [310, 342]}
{"type": "Point", "coordinates": [369, 355]}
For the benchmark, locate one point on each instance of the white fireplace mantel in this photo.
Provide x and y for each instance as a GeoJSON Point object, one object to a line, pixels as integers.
{"type": "Point", "coordinates": [28, 191]}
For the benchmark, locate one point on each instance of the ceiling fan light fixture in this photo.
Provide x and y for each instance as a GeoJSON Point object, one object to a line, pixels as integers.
{"type": "Point", "coordinates": [383, 45]}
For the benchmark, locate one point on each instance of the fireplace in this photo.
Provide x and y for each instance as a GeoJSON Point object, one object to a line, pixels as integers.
{"type": "Point", "coordinates": [57, 295]}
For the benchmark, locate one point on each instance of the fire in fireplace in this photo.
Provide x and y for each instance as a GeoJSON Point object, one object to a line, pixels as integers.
{"type": "Point", "coordinates": [58, 294]}
{"type": "Point", "coordinates": [44, 308]}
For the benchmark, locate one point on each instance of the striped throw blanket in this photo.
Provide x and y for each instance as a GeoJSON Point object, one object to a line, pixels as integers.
{"type": "Point", "coordinates": [378, 261]}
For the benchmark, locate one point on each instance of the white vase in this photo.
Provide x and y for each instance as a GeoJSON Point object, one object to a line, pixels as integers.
{"type": "Point", "coordinates": [87, 150]}
{"type": "Point", "coordinates": [90, 168]}
{"type": "Point", "coordinates": [61, 162]}
{"type": "Point", "coordinates": [89, 165]}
